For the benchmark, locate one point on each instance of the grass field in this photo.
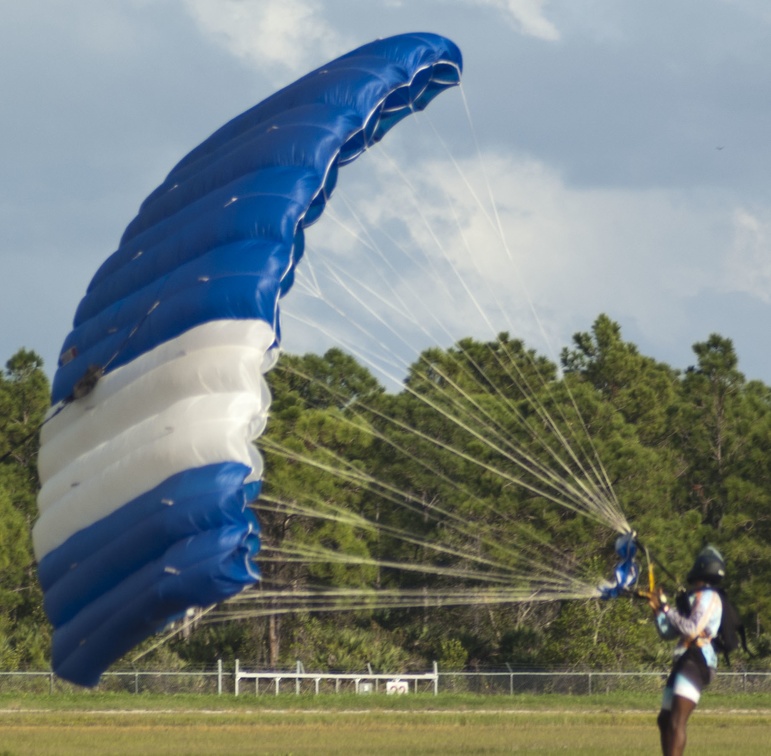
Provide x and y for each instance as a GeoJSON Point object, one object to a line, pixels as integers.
{"type": "Point", "coordinates": [126, 724]}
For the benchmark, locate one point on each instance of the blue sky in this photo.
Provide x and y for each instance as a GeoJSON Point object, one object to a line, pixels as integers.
{"type": "Point", "coordinates": [615, 159]}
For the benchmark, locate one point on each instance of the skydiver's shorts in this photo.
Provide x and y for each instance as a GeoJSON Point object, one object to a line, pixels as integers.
{"type": "Point", "coordinates": [689, 677]}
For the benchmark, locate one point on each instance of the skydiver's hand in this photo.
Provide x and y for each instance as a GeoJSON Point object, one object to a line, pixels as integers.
{"type": "Point", "coordinates": [658, 601]}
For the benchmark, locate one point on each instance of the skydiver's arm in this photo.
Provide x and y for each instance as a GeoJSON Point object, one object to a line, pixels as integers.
{"type": "Point", "coordinates": [665, 628]}
{"type": "Point", "coordinates": [693, 625]}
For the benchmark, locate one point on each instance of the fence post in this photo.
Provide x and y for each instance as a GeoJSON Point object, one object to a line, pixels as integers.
{"type": "Point", "coordinates": [235, 682]}
{"type": "Point", "coordinates": [436, 679]}
{"type": "Point", "coordinates": [590, 684]}
{"type": "Point", "coordinates": [219, 677]}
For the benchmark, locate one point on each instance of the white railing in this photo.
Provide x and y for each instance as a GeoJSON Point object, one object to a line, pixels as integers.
{"type": "Point", "coordinates": [368, 682]}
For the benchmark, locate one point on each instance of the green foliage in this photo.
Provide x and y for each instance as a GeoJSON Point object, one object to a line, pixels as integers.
{"type": "Point", "coordinates": [362, 486]}
{"type": "Point", "coordinates": [610, 635]}
{"type": "Point", "coordinates": [686, 455]}
{"type": "Point", "coordinates": [452, 655]}
{"type": "Point", "coordinates": [346, 647]}
{"type": "Point", "coordinates": [23, 402]}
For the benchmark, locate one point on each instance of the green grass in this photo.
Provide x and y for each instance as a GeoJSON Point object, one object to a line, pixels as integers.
{"type": "Point", "coordinates": [422, 724]}
{"type": "Point", "coordinates": [620, 701]}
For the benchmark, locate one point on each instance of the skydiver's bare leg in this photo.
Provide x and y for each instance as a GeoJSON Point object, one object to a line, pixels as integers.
{"type": "Point", "coordinates": [665, 730]}
{"type": "Point", "coordinates": [672, 726]}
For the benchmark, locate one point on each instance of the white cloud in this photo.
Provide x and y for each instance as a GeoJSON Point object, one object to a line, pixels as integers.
{"type": "Point", "coordinates": [283, 35]}
{"type": "Point", "coordinates": [569, 254]}
{"type": "Point", "coordinates": [526, 15]}
{"type": "Point", "coordinates": [748, 265]}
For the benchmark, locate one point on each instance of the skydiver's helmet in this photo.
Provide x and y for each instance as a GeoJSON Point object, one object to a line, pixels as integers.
{"type": "Point", "coordinates": [709, 567]}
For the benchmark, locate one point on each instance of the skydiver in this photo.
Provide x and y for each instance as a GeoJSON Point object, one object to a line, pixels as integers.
{"type": "Point", "coordinates": [696, 621]}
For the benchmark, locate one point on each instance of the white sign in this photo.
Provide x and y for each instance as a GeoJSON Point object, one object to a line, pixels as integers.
{"type": "Point", "coordinates": [397, 687]}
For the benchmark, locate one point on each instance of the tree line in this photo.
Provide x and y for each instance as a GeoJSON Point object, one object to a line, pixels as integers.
{"type": "Point", "coordinates": [686, 453]}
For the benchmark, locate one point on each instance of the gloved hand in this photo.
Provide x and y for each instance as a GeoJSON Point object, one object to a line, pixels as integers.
{"type": "Point", "coordinates": [658, 601]}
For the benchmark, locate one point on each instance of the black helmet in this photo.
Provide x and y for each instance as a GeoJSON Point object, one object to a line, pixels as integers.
{"type": "Point", "coordinates": [709, 567]}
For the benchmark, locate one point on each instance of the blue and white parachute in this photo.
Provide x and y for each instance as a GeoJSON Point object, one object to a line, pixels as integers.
{"type": "Point", "coordinates": [147, 462]}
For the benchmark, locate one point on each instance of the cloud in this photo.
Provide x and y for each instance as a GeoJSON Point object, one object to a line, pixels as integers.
{"type": "Point", "coordinates": [432, 258]}
{"type": "Point", "coordinates": [283, 35]}
{"type": "Point", "coordinates": [748, 264]}
{"type": "Point", "coordinates": [527, 16]}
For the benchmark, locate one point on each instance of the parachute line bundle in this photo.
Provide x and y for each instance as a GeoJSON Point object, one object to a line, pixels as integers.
{"type": "Point", "coordinates": [146, 479]}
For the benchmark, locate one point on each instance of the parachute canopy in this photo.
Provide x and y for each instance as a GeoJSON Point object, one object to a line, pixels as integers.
{"type": "Point", "coordinates": [146, 460]}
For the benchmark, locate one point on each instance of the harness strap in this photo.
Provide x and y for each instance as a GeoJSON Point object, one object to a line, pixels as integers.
{"type": "Point", "coordinates": [702, 637]}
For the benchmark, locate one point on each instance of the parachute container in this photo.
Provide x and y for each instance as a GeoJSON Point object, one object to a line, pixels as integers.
{"type": "Point", "coordinates": [147, 463]}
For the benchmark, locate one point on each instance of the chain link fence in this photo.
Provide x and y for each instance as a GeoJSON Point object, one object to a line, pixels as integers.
{"type": "Point", "coordinates": [588, 683]}
{"type": "Point", "coordinates": [222, 680]}
{"type": "Point", "coordinates": [565, 683]}
{"type": "Point", "coordinates": [212, 681]}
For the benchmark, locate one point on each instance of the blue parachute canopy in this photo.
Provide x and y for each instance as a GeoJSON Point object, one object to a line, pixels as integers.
{"type": "Point", "coordinates": [148, 467]}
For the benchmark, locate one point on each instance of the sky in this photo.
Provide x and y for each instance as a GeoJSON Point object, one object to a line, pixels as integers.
{"type": "Point", "coordinates": [602, 156]}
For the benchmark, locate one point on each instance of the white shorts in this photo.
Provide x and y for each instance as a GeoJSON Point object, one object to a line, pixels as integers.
{"type": "Point", "coordinates": [682, 687]}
